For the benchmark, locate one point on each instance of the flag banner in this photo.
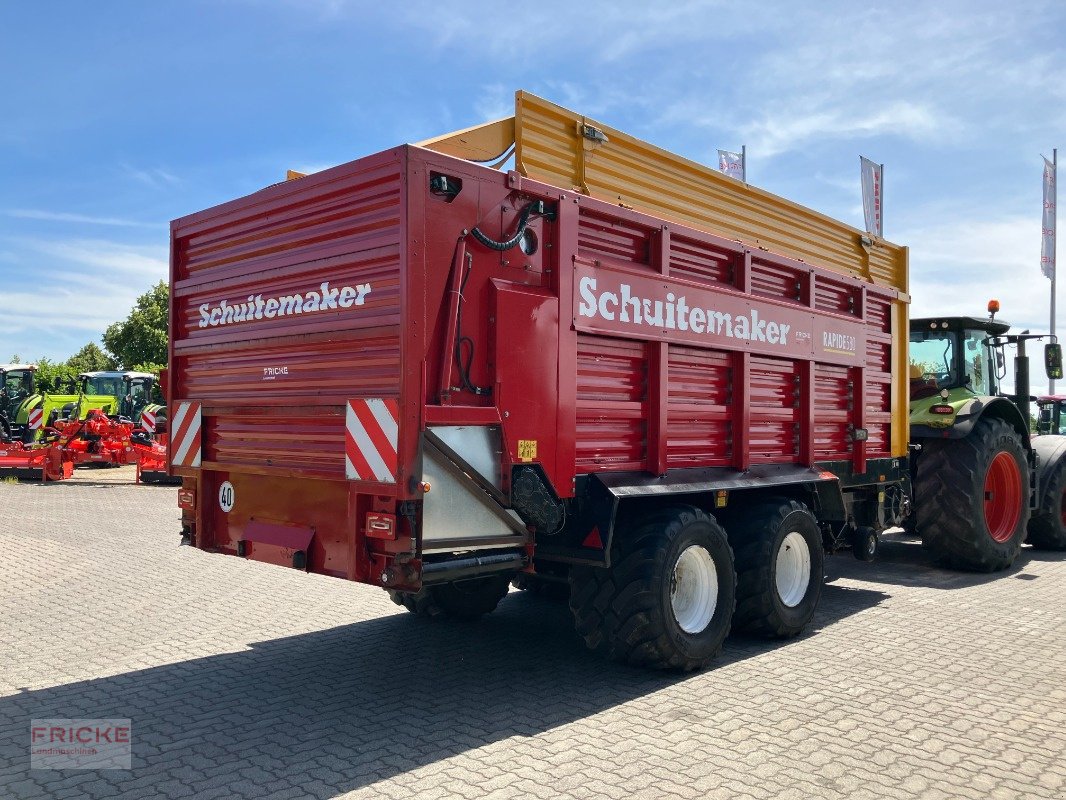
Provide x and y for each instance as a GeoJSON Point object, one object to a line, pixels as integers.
{"type": "Point", "coordinates": [1047, 240]}
{"type": "Point", "coordinates": [872, 196]}
{"type": "Point", "coordinates": [732, 164]}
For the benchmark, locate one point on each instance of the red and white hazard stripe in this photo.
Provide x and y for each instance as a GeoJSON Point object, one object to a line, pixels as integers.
{"type": "Point", "coordinates": [148, 421]}
{"type": "Point", "coordinates": [185, 435]}
{"type": "Point", "coordinates": [370, 437]}
{"type": "Point", "coordinates": [35, 418]}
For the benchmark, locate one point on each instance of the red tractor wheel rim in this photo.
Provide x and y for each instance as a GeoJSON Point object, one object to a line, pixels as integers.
{"type": "Point", "coordinates": [1003, 497]}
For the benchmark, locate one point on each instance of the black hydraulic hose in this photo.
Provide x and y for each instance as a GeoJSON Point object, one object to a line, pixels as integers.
{"type": "Point", "coordinates": [492, 244]}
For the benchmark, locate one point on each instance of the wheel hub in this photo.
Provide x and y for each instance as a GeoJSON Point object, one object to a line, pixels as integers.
{"type": "Point", "coordinates": [1003, 497]}
{"type": "Point", "coordinates": [793, 573]}
{"type": "Point", "coordinates": [694, 589]}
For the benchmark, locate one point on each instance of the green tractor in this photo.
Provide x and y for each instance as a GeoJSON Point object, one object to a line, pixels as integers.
{"type": "Point", "coordinates": [133, 395]}
{"type": "Point", "coordinates": [25, 413]}
{"type": "Point", "coordinates": [1051, 414]}
{"type": "Point", "coordinates": [17, 385]}
{"type": "Point", "coordinates": [982, 484]}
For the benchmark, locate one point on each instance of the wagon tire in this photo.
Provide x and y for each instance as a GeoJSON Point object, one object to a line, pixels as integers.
{"type": "Point", "coordinates": [667, 600]}
{"type": "Point", "coordinates": [971, 497]}
{"type": "Point", "coordinates": [780, 568]}
{"type": "Point", "coordinates": [1047, 527]}
{"type": "Point", "coordinates": [464, 600]}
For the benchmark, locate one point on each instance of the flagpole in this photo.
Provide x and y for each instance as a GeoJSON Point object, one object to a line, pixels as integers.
{"type": "Point", "coordinates": [881, 232]}
{"type": "Point", "coordinates": [1055, 247]}
{"type": "Point", "coordinates": [744, 163]}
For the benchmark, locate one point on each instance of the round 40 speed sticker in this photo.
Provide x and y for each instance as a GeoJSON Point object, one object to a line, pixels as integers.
{"type": "Point", "coordinates": [225, 496]}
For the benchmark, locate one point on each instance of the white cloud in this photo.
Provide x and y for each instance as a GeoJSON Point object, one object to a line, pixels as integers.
{"type": "Point", "coordinates": [59, 216]}
{"type": "Point", "coordinates": [145, 264]}
{"type": "Point", "coordinates": [154, 176]}
{"type": "Point", "coordinates": [76, 289]}
{"type": "Point", "coordinates": [785, 131]}
{"type": "Point", "coordinates": [958, 266]}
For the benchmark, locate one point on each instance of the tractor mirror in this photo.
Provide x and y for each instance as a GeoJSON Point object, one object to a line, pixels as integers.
{"type": "Point", "coordinates": [1053, 361]}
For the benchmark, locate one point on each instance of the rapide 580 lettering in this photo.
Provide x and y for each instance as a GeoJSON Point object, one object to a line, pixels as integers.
{"type": "Point", "coordinates": [323, 299]}
{"type": "Point", "coordinates": [634, 305]}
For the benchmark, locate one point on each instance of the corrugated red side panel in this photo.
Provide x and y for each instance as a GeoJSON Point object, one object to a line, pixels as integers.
{"type": "Point", "coordinates": [700, 419]}
{"type": "Point", "coordinates": [611, 393]}
{"type": "Point", "coordinates": [701, 261]}
{"type": "Point", "coordinates": [879, 377]}
{"type": "Point", "coordinates": [614, 406]}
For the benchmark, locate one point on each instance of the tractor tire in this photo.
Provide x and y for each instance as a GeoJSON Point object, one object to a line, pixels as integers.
{"type": "Point", "coordinates": [780, 569]}
{"type": "Point", "coordinates": [542, 587]}
{"type": "Point", "coordinates": [1047, 527]}
{"type": "Point", "coordinates": [971, 497]}
{"type": "Point", "coordinates": [464, 600]}
{"type": "Point", "coordinates": [667, 600]}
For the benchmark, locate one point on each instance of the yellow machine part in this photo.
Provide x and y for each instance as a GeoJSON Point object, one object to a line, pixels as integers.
{"type": "Point", "coordinates": [562, 148]}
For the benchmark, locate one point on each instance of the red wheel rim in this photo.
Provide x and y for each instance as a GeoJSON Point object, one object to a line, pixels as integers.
{"type": "Point", "coordinates": [1003, 496]}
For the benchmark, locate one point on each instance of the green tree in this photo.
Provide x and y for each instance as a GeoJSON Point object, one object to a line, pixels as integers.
{"type": "Point", "coordinates": [142, 337]}
{"type": "Point", "coordinates": [90, 359]}
{"type": "Point", "coordinates": [54, 377]}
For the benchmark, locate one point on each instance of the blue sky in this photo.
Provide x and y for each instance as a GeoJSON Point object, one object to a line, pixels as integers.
{"type": "Point", "coordinates": [122, 116]}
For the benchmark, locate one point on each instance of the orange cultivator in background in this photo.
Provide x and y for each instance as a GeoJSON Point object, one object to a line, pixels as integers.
{"type": "Point", "coordinates": [97, 439]}
{"type": "Point", "coordinates": [34, 462]}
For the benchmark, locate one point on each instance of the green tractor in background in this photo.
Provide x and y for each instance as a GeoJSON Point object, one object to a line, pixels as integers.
{"type": "Point", "coordinates": [981, 483]}
{"type": "Point", "coordinates": [133, 396]}
{"type": "Point", "coordinates": [17, 385]}
{"type": "Point", "coordinates": [1051, 414]}
{"type": "Point", "coordinates": [25, 413]}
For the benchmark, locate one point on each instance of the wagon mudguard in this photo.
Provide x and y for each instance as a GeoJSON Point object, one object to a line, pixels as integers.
{"type": "Point", "coordinates": [605, 496]}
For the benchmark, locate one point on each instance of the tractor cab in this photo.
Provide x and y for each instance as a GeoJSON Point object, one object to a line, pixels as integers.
{"type": "Point", "coordinates": [956, 364]}
{"type": "Point", "coordinates": [949, 353]}
{"type": "Point", "coordinates": [16, 385]}
{"type": "Point", "coordinates": [133, 389]}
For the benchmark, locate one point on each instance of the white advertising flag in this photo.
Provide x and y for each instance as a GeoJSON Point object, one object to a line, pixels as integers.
{"type": "Point", "coordinates": [873, 202]}
{"type": "Point", "coordinates": [1047, 240]}
{"type": "Point", "coordinates": [732, 164]}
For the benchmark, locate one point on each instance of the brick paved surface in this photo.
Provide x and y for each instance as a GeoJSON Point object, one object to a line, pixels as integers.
{"type": "Point", "coordinates": [245, 680]}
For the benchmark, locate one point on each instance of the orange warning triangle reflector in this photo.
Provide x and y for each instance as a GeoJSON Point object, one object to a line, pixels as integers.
{"type": "Point", "coordinates": [593, 539]}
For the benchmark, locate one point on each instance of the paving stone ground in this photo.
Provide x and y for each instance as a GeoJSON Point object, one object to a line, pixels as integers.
{"type": "Point", "coordinates": [244, 680]}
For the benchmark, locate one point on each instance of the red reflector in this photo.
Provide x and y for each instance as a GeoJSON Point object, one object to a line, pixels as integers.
{"type": "Point", "coordinates": [187, 499]}
{"type": "Point", "coordinates": [593, 539]}
{"type": "Point", "coordinates": [941, 410]}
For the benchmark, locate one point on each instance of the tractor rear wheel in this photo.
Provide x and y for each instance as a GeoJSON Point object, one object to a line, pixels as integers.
{"type": "Point", "coordinates": [467, 599]}
{"type": "Point", "coordinates": [1047, 528]}
{"type": "Point", "coordinates": [667, 599]}
{"type": "Point", "coordinates": [780, 561]}
{"type": "Point", "coordinates": [971, 497]}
